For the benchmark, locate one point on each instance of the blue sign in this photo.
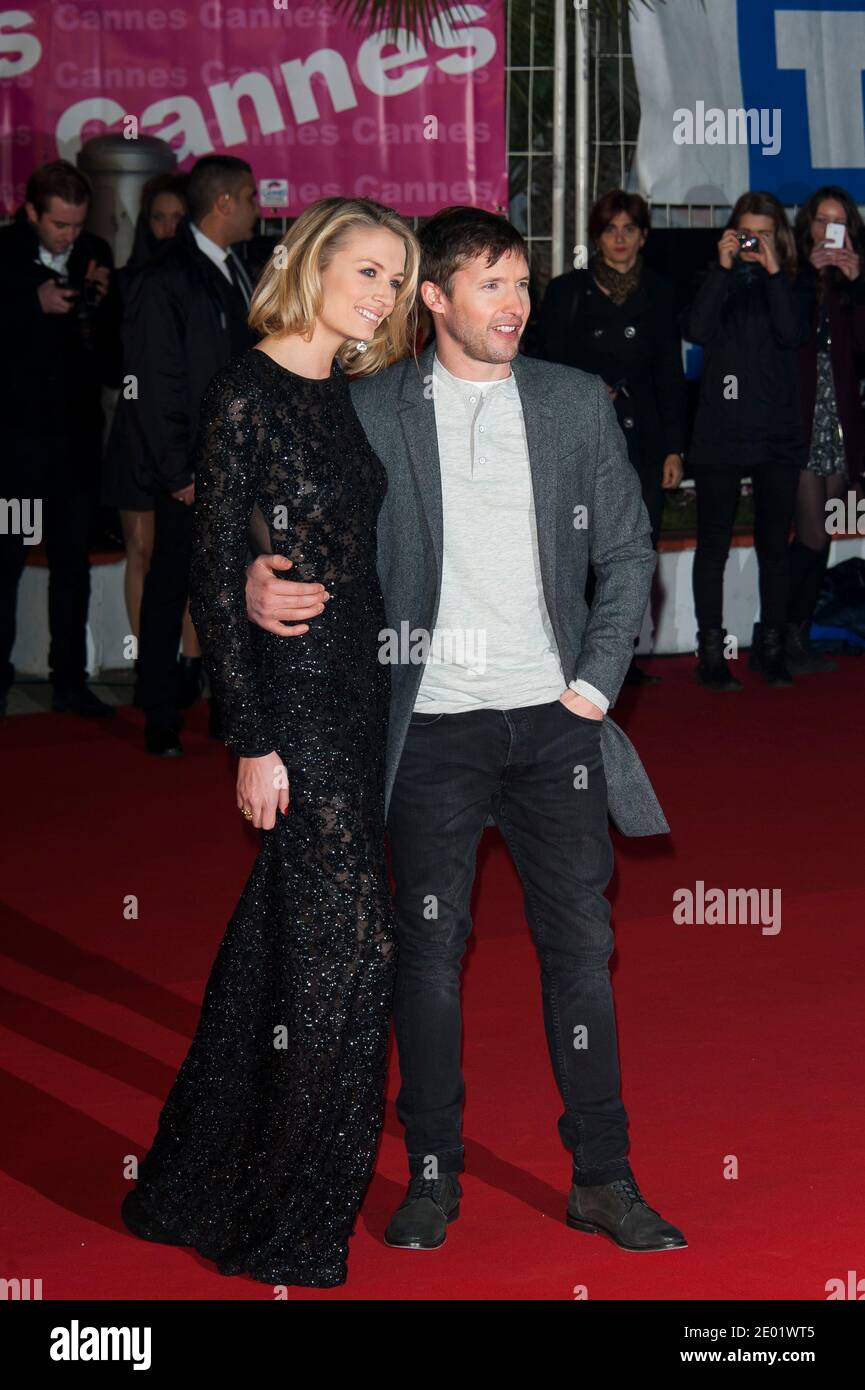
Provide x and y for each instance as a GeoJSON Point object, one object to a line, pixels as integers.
{"type": "Point", "coordinates": [806, 62]}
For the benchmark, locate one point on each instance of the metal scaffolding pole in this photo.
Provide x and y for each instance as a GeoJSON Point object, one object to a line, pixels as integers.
{"type": "Point", "coordinates": [560, 95]}
{"type": "Point", "coordinates": [581, 126]}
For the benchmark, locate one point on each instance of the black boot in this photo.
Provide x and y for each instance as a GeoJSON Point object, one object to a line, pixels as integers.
{"type": "Point", "coordinates": [80, 699]}
{"type": "Point", "coordinates": [713, 670]}
{"type": "Point", "coordinates": [635, 675]}
{"type": "Point", "coordinates": [767, 656]}
{"type": "Point", "coordinates": [803, 657]}
{"type": "Point", "coordinates": [421, 1220]}
{"type": "Point", "coordinates": [162, 739]}
{"type": "Point", "coordinates": [190, 681]}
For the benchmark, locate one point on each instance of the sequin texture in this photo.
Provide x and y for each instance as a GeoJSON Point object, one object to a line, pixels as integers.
{"type": "Point", "coordinates": [266, 1142]}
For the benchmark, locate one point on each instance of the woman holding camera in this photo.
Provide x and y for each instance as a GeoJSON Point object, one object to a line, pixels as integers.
{"type": "Point", "coordinates": [831, 245]}
{"type": "Point", "coordinates": [751, 315]}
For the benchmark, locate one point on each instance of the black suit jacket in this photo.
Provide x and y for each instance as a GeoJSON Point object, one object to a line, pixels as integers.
{"type": "Point", "coordinates": [54, 365]}
{"type": "Point", "coordinates": [182, 322]}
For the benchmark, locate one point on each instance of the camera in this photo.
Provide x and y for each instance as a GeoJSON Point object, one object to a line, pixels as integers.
{"type": "Point", "coordinates": [835, 232]}
{"type": "Point", "coordinates": [87, 291]}
{"type": "Point", "coordinates": [748, 242]}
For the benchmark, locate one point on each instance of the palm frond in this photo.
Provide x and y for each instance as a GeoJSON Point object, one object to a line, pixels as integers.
{"type": "Point", "coordinates": [417, 16]}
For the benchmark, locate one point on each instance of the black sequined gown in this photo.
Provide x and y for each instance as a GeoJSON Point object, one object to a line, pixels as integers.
{"type": "Point", "coordinates": [266, 1142]}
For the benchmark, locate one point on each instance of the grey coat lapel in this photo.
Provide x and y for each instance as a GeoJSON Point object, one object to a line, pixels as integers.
{"type": "Point", "coordinates": [541, 439]}
{"type": "Point", "coordinates": [417, 418]}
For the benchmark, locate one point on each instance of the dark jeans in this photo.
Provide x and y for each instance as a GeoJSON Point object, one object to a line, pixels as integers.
{"type": "Point", "coordinates": [63, 472]}
{"type": "Point", "coordinates": [519, 765]}
{"type": "Point", "coordinates": [163, 600]}
{"type": "Point", "coordinates": [717, 497]}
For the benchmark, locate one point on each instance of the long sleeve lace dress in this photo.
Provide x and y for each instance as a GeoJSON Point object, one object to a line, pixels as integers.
{"type": "Point", "coordinates": [266, 1142]}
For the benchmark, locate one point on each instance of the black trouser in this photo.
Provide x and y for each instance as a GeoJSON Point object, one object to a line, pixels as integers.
{"type": "Point", "coordinates": [520, 765]}
{"type": "Point", "coordinates": [62, 471]}
{"type": "Point", "coordinates": [717, 498]}
{"type": "Point", "coordinates": [651, 477]}
{"type": "Point", "coordinates": [163, 600]}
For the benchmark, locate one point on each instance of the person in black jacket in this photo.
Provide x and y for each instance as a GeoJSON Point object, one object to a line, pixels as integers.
{"type": "Point", "coordinates": [163, 207]}
{"type": "Point", "coordinates": [186, 316]}
{"type": "Point", "coordinates": [61, 338]}
{"type": "Point", "coordinates": [751, 315]}
{"type": "Point", "coordinates": [615, 319]}
{"type": "Point", "coordinates": [831, 403]}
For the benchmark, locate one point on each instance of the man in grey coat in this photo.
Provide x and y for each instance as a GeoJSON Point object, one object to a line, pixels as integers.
{"type": "Point", "coordinates": [507, 477]}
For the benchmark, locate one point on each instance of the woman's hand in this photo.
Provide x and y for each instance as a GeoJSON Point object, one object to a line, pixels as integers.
{"type": "Point", "coordinates": [765, 254]}
{"type": "Point", "coordinates": [673, 471]}
{"type": "Point", "coordinates": [728, 247]}
{"type": "Point", "coordinates": [262, 789]}
{"type": "Point", "coordinates": [843, 256]}
{"type": "Point", "coordinates": [822, 255]}
{"type": "Point", "coordinates": [848, 263]}
{"type": "Point", "coordinates": [846, 259]}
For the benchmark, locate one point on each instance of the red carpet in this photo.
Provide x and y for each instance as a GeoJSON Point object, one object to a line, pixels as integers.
{"type": "Point", "coordinates": [733, 1042]}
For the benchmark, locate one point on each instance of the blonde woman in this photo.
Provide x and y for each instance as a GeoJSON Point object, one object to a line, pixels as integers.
{"type": "Point", "coordinates": [266, 1142]}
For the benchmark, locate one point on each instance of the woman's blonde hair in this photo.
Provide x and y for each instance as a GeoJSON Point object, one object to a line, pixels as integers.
{"type": "Point", "coordinates": [289, 296]}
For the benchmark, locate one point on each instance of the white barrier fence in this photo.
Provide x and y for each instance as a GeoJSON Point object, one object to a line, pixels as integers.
{"type": "Point", "coordinates": [669, 626]}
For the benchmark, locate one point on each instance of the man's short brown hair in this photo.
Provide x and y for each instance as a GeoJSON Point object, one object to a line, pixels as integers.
{"type": "Point", "coordinates": [456, 235]}
{"type": "Point", "coordinates": [59, 179]}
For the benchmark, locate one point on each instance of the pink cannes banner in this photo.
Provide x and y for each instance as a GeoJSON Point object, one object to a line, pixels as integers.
{"type": "Point", "coordinates": [316, 106]}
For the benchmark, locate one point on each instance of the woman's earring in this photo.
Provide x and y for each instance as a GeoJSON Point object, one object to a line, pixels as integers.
{"type": "Point", "coordinates": [361, 347]}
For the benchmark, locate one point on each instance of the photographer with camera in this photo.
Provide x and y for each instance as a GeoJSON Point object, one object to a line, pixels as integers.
{"type": "Point", "coordinates": [751, 315]}
{"type": "Point", "coordinates": [61, 331]}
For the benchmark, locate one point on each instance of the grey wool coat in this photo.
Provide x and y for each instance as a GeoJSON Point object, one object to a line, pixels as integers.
{"type": "Point", "coordinates": [578, 459]}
